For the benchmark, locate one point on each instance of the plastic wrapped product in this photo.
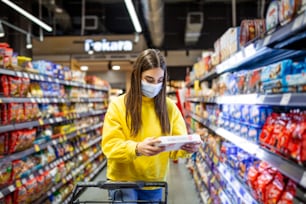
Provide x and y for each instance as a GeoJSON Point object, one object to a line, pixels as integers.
{"type": "Point", "coordinates": [272, 19]}
{"type": "Point", "coordinates": [287, 10]}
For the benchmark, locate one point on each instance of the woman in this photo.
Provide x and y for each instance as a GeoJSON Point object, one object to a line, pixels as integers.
{"type": "Point", "coordinates": [134, 122]}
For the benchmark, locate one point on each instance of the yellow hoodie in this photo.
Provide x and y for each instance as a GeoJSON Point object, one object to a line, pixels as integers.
{"type": "Point", "coordinates": [119, 146]}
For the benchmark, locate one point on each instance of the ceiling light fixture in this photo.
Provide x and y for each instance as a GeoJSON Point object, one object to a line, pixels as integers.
{"type": "Point", "coordinates": [84, 68]}
{"type": "Point", "coordinates": [115, 67]}
{"type": "Point", "coordinates": [27, 15]}
{"type": "Point", "coordinates": [29, 43]}
{"type": "Point", "coordinates": [2, 33]}
{"type": "Point", "coordinates": [131, 9]}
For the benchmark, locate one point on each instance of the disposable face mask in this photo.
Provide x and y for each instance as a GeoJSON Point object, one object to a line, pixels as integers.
{"type": "Point", "coordinates": [150, 90]}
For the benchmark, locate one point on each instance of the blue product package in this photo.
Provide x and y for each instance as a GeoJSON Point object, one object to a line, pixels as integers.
{"type": "Point", "coordinates": [237, 128]}
{"type": "Point", "coordinates": [277, 70]}
{"type": "Point", "coordinates": [231, 149]}
{"type": "Point", "coordinates": [275, 83]}
{"type": "Point", "coordinates": [237, 113]}
{"type": "Point", "coordinates": [245, 113]}
{"type": "Point", "coordinates": [225, 110]}
{"type": "Point", "coordinates": [258, 115]}
{"type": "Point", "coordinates": [244, 131]}
{"type": "Point", "coordinates": [226, 124]}
{"type": "Point", "coordinates": [253, 134]}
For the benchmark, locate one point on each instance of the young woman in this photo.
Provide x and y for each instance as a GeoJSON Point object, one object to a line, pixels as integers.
{"type": "Point", "coordinates": [134, 122]}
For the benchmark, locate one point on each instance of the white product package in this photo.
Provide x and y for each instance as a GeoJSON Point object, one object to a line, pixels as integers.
{"type": "Point", "coordinates": [176, 142]}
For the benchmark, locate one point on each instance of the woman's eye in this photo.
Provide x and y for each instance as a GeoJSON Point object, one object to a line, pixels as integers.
{"type": "Point", "coordinates": [150, 81]}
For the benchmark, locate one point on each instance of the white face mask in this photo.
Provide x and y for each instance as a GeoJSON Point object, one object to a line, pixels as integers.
{"type": "Point", "coordinates": [150, 90]}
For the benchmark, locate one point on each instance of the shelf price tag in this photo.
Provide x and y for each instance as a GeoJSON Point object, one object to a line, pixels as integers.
{"type": "Point", "coordinates": [18, 183]}
{"type": "Point", "coordinates": [51, 121]}
{"type": "Point", "coordinates": [36, 148]}
{"type": "Point", "coordinates": [285, 99]}
{"type": "Point", "coordinates": [41, 121]}
{"type": "Point", "coordinates": [267, 40]}
{"type": "Point", "coordinates": [19, 74]}
{"type": "Point", "coordinates": [11, 188]}
{"type": "Point", "coordinates": [297, 23]}
{"type": "Point", "coordinates": [261, 99]}
{"type": "Point", "coordinates": [303, 180]}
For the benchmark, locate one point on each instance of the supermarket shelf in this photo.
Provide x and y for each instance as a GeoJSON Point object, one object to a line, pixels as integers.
{"type": "Point", "coordinates": [206, 77]}
{"type": "Point", "coordinates": [31, 124]}
{"type": "Point", "coordinates": [256, 55]}
{"type": "Point", "coordinates": [70, 176]}
{"type": "Point", "coordinates": [48, 100]}
{"type": "Point", "coordinates": [11, 188]}
{"type": "Point", "coordinates": [240, 190]}
{"type": "Point", "coordinates": [95, 172]}
{"type": "Point", "coordinates": [286, 99]}
{"type": "Point", "coordinates": [269, 49]}
{"type": "Point", "coordinates": [265, 51]}
{"type": "Point", "coordinates": [39, 77]}
{"type": "Point", "coordinates": [195, 99]}
{"type": "Point", "coordinates": [292, 170]}
{"type": "Point", "coordinates": [201, 187]}
{"type": "Point", "coordinates": [208, 172]}
{"type": "Point", "coordinates": [39, 147]}
{"type": "Point", "coordinates": [288, 33]}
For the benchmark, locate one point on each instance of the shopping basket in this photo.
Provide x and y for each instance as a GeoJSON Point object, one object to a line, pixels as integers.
{"type": "Point", "coordinates": [112, 185]}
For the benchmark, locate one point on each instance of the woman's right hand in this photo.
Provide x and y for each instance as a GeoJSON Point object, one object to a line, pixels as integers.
{"type": "Point", "coordinates": [149, 147]}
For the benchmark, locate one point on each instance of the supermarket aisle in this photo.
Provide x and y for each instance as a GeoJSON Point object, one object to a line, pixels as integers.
{"type": "Point", "coordinates": [181, 186]}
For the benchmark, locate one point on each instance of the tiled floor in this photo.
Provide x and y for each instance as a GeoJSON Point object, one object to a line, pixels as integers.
{"type": "Point", "coordinates": [181, 186]}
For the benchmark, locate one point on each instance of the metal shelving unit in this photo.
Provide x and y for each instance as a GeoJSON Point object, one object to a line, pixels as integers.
{"type": "Point", "coordinates": [39, 77]}
{"type": "Point", "coordinates": [286, 99]}
{"type": "Point", "coordinates": [49, 121]}
{"type": "Point", "coordinates": [289, 168]}
{"type": "Point", "coordinates": [39, 169]}
{"type": "Point", "coordinates": [11, 188]}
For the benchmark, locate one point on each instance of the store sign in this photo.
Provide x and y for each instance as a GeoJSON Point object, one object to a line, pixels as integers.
{"type": "Point", "coordinates": [108, 46]}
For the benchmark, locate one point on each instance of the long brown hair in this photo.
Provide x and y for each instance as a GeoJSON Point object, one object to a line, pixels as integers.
{"type": "Point", "coordinates": [148, 59]}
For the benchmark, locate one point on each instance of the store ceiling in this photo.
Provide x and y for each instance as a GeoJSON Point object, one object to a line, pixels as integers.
{"type": "Point", "coordinates": [113, 18]}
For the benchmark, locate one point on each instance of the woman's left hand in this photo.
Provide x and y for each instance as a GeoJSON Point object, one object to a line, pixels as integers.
{"type": "Point", "coordinates": [191, 147]}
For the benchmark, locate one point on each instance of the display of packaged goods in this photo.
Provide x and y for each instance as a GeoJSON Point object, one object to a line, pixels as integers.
{"type": "Point", "coordinates": [229, 42]}
{"type": "Point", "coordinates": [251, 29]}
{"type": "Point", "coordinates": [287, 10]}
{"type": "Point", "coordinates": [272, 16]}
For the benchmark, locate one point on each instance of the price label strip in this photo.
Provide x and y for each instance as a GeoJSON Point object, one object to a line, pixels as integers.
{"type": "Point", "coordinates": [285, 99]}
{"type": "Point", "coordinates": [297, 23]}
{"type": "Point", "coordinates": [267, 40]}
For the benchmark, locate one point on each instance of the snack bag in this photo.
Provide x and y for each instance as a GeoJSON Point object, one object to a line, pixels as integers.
{"type": "Point", "coordinates": [274, 189]}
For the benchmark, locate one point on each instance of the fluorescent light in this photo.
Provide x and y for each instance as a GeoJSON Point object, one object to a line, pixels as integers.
{"type": "Point", "coordinates": [84, 68]}
{"type": "Point", "coordinates": [29, 43]}
{"type": "Point", "coordinates": [28, 15]}
{"type": "Point", "coordinates": [2, 33]}
{"type": "Point", "coordinates": [133, 15]}
{"type": "Point", "coordinates": [115, 67]}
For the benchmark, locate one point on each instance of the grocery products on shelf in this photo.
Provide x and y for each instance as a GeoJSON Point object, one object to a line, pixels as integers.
{"type": "Point", "coordinates": [249, 109]}
{"type": "Point", "coordinates": [50, 130]}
